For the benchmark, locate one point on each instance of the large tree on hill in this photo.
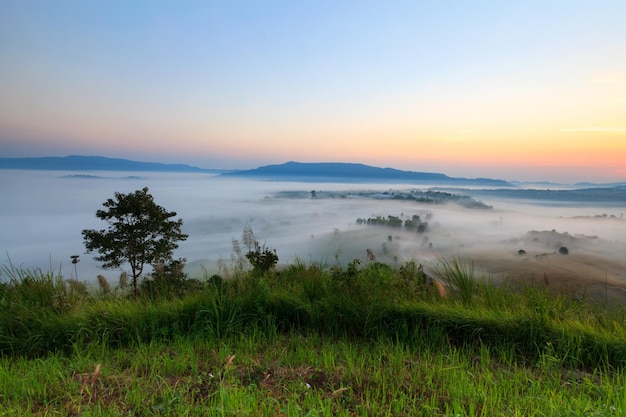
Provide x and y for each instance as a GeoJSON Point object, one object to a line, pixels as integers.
{"type": "Point", "coordinates": [140, 232]}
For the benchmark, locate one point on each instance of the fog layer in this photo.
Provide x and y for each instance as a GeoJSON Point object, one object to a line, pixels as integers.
{"type": "Point", "coordinates": [42, 215]}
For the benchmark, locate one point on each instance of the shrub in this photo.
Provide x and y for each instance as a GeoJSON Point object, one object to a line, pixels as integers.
{"type": "Point", "coordinates": [262, 258]}
{"type": "Point", "coordinates": [168, 281]}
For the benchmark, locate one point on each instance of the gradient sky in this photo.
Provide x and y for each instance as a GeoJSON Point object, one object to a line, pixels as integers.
{"type": "Point", "coordinates": [519, 90]}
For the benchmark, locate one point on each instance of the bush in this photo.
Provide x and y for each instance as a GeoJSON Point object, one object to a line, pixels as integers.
{"type": "Point", "coordinates": [262, 258]}
{"type": "Point", "coordinates": [168, 281]}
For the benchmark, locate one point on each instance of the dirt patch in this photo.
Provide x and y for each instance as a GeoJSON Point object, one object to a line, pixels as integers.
{"type": "Point", "coordinates": [586, 274]}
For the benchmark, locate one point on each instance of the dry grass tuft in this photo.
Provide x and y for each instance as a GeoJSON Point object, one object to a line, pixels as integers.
{"type": "Point", "coordinates": [103, 284]}
{"type": "Point", "coordinates": [89, 378]}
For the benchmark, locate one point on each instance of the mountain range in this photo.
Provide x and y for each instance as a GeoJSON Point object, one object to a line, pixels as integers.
{"type": "Point", "coordinates": [587, 193]}
{"type": "Point", "coordinates": [322, 171]}
{"type": "Point", "coordinates": [325, 171]}
{"type": "Point", "coordinates": [94, 163]}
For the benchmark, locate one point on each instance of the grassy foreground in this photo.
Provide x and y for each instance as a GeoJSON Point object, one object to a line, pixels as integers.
{"type": "Point", "coordinates": [361, 340]}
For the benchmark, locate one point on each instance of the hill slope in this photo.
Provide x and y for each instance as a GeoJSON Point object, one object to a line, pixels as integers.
{"type": "Point", "coordinates": [356, 172]}
{"type": "Point", "coordinates": [94, 163]}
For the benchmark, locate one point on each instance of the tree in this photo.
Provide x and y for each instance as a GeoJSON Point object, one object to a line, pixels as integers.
{"type": "Point", "coordinates": [140, 232]}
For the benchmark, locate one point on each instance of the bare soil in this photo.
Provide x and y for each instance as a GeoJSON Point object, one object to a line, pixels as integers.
{"type": "Point", "coordinates": [581, 273]}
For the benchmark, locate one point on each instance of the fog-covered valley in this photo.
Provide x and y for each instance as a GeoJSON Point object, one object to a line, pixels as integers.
{"type": "Point", "coordinates": [42, 214]}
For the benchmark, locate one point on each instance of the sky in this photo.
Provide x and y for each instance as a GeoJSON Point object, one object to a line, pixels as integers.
{"type": "Point", "coordinates": [529, 90]}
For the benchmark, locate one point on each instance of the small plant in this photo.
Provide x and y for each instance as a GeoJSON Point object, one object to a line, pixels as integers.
{"type": "Point", "coordinates": [168, 280]}
{"type": "Point", "coordinates": [347, 275]}
{"type": "Point", "coordinates": [412, 276]}
{"type": "Point", "coordinates": [75, 262]}
{"type": "Point", "coordinates": [103, 284]}
{"type": "Point", "coordinates": [460, 277]}
{"type": "Point", "coordinates": [123, 282]}
{"type": "Point", "coordinates": [262, 258]}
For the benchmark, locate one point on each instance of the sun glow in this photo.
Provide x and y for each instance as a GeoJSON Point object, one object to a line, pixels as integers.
{"type": "Point", "coordinates": [434, 88]}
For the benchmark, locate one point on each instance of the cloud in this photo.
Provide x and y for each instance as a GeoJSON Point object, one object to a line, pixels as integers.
{"type": "Point", "coordinates": [596, 129]}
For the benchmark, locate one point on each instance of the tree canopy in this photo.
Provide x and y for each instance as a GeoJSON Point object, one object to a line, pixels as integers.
{"type": "Point", "coordinates": [140, 232]}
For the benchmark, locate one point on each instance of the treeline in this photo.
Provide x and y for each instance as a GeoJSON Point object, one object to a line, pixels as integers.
{"type": "Point", "coordinates": [415, 223]}
{"type": "Point", "coordinates": [425, 197]}
{"type": "Point", "coordinates": [439, 197]}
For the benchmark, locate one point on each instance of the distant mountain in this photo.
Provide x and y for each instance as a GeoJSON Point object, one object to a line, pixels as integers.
{"type": "Point", "coordinates": [95, 163]}
{"type": "Point", "coordinates": [324, 171]}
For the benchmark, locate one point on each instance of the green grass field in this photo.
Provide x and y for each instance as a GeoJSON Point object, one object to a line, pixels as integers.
{"type": "Point", "coordinates": [366, 339]}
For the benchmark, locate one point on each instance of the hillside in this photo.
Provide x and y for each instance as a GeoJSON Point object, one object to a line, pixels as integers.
{"type": "Point", "coordinates": [94, 163]}
{"type": "Point", "coordinates": [356, 172]}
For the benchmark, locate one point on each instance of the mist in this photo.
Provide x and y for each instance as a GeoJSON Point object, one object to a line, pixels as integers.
{"type": "Point", "coordinates": [42, 214]}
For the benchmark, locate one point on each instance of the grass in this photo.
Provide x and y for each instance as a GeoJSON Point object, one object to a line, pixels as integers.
{"type": "Point", "coordinates": [367, 340]}
{"type": "Point", "coordinates": [302, 374]}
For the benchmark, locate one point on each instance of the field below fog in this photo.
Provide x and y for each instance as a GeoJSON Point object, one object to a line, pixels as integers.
{"type": "Point", "coordinates": [42, 214]}
{"type": "Point", "coordinates": [580, 250]}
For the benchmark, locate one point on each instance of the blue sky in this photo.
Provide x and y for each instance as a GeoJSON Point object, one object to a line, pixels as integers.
{"type": "Point", "coordinates": [528, 90]}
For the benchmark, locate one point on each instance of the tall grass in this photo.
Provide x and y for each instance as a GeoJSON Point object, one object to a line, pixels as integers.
{"type": "Point", "coordinates": [39, 291]}
{"type": "Point", "coordinates": [32, 304]}
{"type": "Point", "coordinates": [460, 277]}
{"type": "Point", "coordinates": [365, 339]}
{"type": "Point", "coordinates": [42, 313]}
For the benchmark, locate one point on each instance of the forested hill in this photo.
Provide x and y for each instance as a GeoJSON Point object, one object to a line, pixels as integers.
{"type": "Point", "coordinates": [94, 163]}
{"type": "Point", "coordinates": [323, 171]}
{"type": "Point", "coordinates": [296, 171]}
